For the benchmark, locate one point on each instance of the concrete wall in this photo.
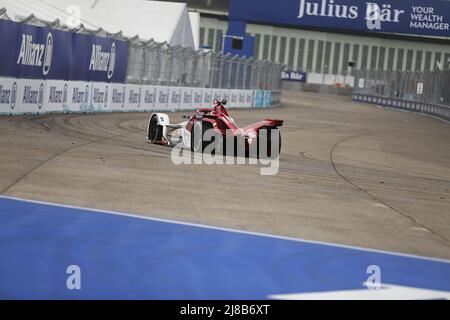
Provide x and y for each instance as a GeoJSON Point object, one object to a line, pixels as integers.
{"type": "Point", "coordinates": [24, 96]}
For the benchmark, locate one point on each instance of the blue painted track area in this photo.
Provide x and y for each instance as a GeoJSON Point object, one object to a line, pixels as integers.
{"type": "Point", "coordinates": [126, 257]}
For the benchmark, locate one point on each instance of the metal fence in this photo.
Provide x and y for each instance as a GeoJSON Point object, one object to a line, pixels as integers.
{"type": "Point", "coordinates": [160, 64]}
{"type": "Point", "coordinates": [424, 92]}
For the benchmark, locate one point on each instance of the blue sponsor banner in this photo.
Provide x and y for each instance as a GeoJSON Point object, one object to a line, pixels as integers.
{"type": "Point", "coordinates": [34, 52]}
{"type": "Point", "coordinates": [296, 76]}
{"type": "Point", "coordinates": [418, 17]}
{"type": "Point", "coordinates": [99, 59]}
{"type": "Point", "coordinates": [30, 52]}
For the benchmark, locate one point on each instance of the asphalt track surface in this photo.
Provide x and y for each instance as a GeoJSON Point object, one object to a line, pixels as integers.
{"type": "Point", "coordinates": [349, 173]}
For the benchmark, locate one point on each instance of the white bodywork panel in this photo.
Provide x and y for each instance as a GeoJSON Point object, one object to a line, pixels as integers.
{"type": "Point", "coordinates": [171, 131]}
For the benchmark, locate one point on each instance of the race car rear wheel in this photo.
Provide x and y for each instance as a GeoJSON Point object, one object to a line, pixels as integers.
{"type": "Point", "coordinates": [154, 130]}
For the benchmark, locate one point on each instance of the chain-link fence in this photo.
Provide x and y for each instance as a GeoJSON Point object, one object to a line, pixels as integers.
{"type": "Point", "coordinates": [424, 92]}
{"type": "Point", "coordinates": [160, 64]}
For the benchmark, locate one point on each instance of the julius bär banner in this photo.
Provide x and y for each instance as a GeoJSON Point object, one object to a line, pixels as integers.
{"type": "Point", "coordinates": [30, 52]}
{"type": "Point", "coordinates": [414, 17]}
{"type": "Point", "coordinates": [297, 76]}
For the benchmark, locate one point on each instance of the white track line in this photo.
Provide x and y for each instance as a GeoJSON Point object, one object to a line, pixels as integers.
{"type": "Point", "coordinates": [258, 234]}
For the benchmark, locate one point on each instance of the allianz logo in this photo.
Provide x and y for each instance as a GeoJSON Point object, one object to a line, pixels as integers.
{"type": "Point", "coordinates": [187, 98]}
{"type": "Point", "coordinates": [58, 95]}
{"type": "Point", "coordinates": [149, 96]}
{"type": "Point", "coordinates": [176, 97]}
{"type": "Point", "coordinates": [103, 61]}
{"type": "Point", "coordinates": [135, 96]}
{"type": "Point", "coordinates": [100, 96]}
{"type": "Point", "coordinates": [163, 97]}
{"type": "Point", "coordinates": [36, 54]}
{"type": "Point", "coordinates": [80, 96]}
{"type": "Point", "coordinates": [118, 96]}
{"type": "Point", "coordinates": [9, 96]}
{"type": "Point", "coordinates": [32, 96]}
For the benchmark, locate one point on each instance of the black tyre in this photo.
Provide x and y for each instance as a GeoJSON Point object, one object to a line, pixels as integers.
{"type": "Point", "coordinates": [154, 130]}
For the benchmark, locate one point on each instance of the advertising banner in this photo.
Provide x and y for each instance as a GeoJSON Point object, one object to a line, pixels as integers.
{"type": "Point", "coordinates": [32, 96]}
{"type": "Point", "coordinates": [8, 95]}
{"type": "Point", "coordinates": [296, 76]}
{"type": "Point", "coordinates": [276, 98]}
{"type": "Point", "coordinates": [267, 99]}
{"type": "Point", "coordinates": [134, 97]}
{"type": "Point", "coordinates": [30, 52]}
{"type": "Point", "coordinates": [162, 98]}
{"type": "Point", "coordinates": [117, 97]}
{"type": "Point", "coordinates": [34, 52]}
{"type": "Point", "coordinates": [234, 98]}
{"type": "Point", "coordinates": [208, 98]}
{"type": "Point", "coordinates": [175, 98]}
{"type": "Point", "coordinates": [79, 96]}
{"type": "Point", "coordinates": [259, 98]}
{"type": "Point", "coordinates": [100, 97]}
{"type": "Point", "coordinates": [241, 99]}
{"type": "Point", "coordinates": [415, 17]}
{"type": "Point", "coordinates": [149, 97]}
{"type": "Point", "coordinates": [98, 59]}
{"type": "Point", "coordinates": [250, 98]}
{"type": "Point", "coordinates": [187, 98]}
{"type": "Point", "coordinates": [56, 96]}
{"type": "Point", "coordinates": [197, 101]}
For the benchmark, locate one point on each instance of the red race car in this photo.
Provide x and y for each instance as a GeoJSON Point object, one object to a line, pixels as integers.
{"type": "Point", "coordinates": [214, 125]}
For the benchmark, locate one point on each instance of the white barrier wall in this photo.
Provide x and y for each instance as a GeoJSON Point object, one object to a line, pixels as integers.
{"type": "Point", "coordinates": [22, 96]}
{"type": "Point", "coordinates": [330, 79]}
{"type": "Point", "coordinates": [57, 93]}
{"type": "Point", "coordinates": [79, 98]}
{"type": "Point", "coordinates": [8, 95]}
{"type": "Point", "coordinates": [30, 96]}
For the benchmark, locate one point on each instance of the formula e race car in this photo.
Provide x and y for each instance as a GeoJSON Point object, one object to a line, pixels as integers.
{"type": "Point", "coordinates": [214, 124]}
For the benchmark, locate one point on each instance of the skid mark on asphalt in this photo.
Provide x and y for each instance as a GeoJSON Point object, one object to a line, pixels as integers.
{"type": "Point", "coordinates": [51, 123]}
{"type": "Point", "coordinates": [372, 196]}
{"type": "Point", "coordinates": [58, 154]}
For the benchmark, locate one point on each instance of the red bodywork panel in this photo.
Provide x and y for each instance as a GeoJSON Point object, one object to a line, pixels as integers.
{"type": "Point", "coordinates": [221, 121]}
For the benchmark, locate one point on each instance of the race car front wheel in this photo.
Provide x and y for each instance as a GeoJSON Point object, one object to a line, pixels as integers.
{"type": "Point", "coordinates": [154, 130]}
